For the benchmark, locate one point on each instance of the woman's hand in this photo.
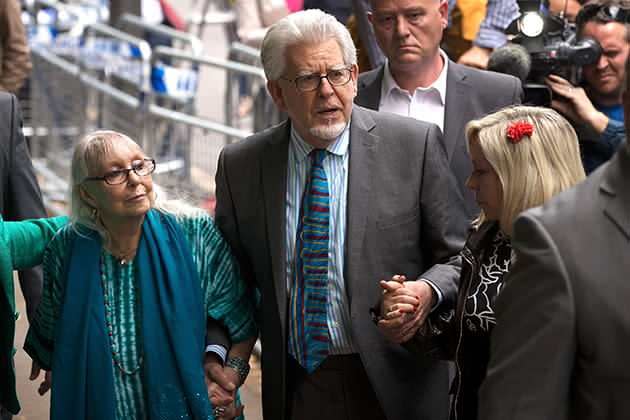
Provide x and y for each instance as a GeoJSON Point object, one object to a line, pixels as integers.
{"type": "Point", "coordinates": [46, 384]}
{"type": "Point", "coordinates": [227, 412]}
{"type": "Point", "coordinates": [405, 308]}
{"type": "Point", "coordinates": [397, 299]}
{"type": "Point", "coordinates": [221, 386]}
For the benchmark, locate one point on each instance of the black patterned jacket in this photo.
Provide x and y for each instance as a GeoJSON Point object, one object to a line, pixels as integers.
{"type": "Point", "coordinates": [462, 333]}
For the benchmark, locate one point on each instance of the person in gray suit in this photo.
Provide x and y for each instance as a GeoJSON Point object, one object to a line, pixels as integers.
{"type": "Point", "coordinates": [560, 349]}
{"type": "Point", "coordinates": [418, 80]}
{"type": "Point", "coordinates": [20, 197]}
{"type": "Point", "coordinates": [383, 189]}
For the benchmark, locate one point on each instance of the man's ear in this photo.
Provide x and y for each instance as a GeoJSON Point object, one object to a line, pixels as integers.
{"type": "Point", "coordinates": [86, 196]}
{"type": "Point", "coordinates": [275, 90]}
{"type": "Point", "coordinates": [443, 8]}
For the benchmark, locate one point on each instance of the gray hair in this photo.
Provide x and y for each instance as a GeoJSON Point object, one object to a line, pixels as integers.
{"type": "Point", "coordinates": [88, 152]}
{"type": "Point", "coordinates": [308, 26]}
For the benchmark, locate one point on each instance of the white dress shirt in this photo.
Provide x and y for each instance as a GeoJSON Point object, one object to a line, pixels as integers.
{"type": "Point", "coordinates": [336, 168]}
{"type": "Point", "coordinates": [425, 104]}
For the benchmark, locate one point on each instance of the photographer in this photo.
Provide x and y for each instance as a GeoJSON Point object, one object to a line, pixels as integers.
{"type": "Point", "coordinates": [596, 108]}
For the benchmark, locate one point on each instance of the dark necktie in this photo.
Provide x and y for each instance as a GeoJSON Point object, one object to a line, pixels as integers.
{"type": "Point", "coordinates": [308, 328]}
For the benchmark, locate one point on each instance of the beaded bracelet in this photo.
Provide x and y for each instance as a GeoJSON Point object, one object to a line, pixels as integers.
{"type": "Point", "coordinates": [240, 365]}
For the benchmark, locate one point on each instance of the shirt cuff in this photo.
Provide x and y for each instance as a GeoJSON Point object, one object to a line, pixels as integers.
{"type": "Point", "coordinates": [219, 350]}
{"type": "Point", "coordinates": [438, 293]}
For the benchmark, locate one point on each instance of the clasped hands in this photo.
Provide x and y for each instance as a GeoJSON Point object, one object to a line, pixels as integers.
{"type": "Point", "coordinates": [404, 308]}
{"type": "Point", "coordinates": [222, 383]}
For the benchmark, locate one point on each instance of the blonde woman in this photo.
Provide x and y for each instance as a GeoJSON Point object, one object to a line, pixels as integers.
{"type": "Point", "coordinates": [521, 156]}
{"type": "Point", "coordinates": [128, 287]}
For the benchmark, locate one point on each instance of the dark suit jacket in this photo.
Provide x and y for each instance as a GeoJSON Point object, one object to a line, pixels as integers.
{"type": "Point", "coordinates": [397, 222]}
{"type": "Point", "coordinates": [20, 197]}
{"type": "Point", "coordinates": [470, 94]}
{"type": "Point", "coordinates": [561, 346]}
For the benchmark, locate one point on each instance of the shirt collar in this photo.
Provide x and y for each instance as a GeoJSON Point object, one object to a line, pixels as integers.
{"type": "Point", "coordinates": [301, 148]}
{"type": "Point", "coordinates": [389, 84]}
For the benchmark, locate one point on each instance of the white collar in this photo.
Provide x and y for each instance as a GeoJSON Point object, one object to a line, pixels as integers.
{"type": "Point", "coordinates": [389, 84]}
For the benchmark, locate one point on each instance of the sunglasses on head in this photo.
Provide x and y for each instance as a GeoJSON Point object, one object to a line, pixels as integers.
{"type": "Point", "coordinates": [604, 13]}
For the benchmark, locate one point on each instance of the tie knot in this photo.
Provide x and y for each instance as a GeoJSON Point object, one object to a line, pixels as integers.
{"type": "Point", "coordinates": [318, 155]}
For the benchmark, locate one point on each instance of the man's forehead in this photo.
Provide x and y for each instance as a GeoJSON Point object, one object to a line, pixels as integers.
{"type": "Point", "coordinates": [303, 57]}
{"type": "Point", "coordinates": [611, 30]}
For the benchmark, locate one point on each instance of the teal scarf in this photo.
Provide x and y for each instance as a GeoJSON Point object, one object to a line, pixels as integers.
{"type": "Point", "coordinates": [173, 330]}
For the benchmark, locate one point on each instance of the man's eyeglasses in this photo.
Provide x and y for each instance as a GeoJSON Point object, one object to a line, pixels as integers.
{"type": "Point", "coordinates": [142, 167]}
{"type": "Point", "coordinates": [603, 13]}
{"type": "Point", "coordinates": [310, 82]}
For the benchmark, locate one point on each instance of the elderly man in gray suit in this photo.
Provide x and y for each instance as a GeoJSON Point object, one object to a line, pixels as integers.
{"type": "Point", "coordinates": [418, 80]}
{"type": "Point", "coordinates": [20, 197]}
{"type": "Point", "coordinates": [562, 342]}
{"type": "Point", "coordinates": [320, 208]}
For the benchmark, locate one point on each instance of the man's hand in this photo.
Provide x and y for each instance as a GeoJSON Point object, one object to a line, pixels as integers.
{"type": "Point", "coordinates": [576, 105]}
{"type": "Point", "coordinates": [475, 57]}
{"type": "Point", "coordinates": [221, 382]}
{"type": "Point", "coordinates": [227, 412]}
{"type": "Point", "coordinates": [397, 299]}
{"type": "Point", "coordinates": [46, 384]}
{"type": "Point", "coordinates": [405, 308]}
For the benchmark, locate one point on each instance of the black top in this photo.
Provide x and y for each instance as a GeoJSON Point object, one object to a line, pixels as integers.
{"type": "Point", "coordinates": [462, 333]}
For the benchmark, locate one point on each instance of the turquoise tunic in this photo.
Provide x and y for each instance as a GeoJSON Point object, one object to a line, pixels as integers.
{"type": "Point", "coordinates": [225, 299]}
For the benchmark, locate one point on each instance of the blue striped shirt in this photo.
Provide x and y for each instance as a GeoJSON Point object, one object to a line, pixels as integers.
{"type": "Point", "coordinates": [336, 167]}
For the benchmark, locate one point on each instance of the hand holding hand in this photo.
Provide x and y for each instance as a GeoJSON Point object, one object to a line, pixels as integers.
{"type": "Point", "coordinates": [220, 382]}
{"type": "Point", "coordinates": [411, 302]}
{"type": "Point", "coordinates": [227, 412]}
{"type": "Point", "coordinates": [397, 300]}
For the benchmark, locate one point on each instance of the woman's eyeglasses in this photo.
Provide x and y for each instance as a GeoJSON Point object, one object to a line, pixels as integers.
{"type": "Point", "coordinates": [141, 167]}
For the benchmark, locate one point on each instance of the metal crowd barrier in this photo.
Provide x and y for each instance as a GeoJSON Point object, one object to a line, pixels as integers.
{"type": "Point", "coordinates": [110, 79]}
{"type": "Point", "coordinates": [192, 138]}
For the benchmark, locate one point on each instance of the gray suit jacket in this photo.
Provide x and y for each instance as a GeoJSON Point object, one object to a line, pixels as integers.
{"type": "Point", "coordinates": [397, 222]}
{"type": "Point", "coordinates": [561, 346]}
{"type": "Point", "coordinates": [470, 94]}
{"type": "Point", "coordinates": [20, 197]}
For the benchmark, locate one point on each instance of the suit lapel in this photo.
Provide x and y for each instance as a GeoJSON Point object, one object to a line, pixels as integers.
{"type": "Point", "coordinates": [360, 168]}
{"type": "Point", "coordinates": [456, 109]}
{"type": "Point", "coordinates": [274, 173]}
{"type": "Point", "coordinates": [369, 92]}
{"type": "Point", "coordinates": [614, 187]}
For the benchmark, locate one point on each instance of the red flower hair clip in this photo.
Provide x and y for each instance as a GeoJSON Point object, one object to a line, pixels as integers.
{"type": "Point", "coordinates": [518, 129]}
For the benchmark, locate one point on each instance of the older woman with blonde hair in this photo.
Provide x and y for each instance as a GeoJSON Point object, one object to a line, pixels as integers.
{"type": "Point", "coordinates": [128, 288]}
{"type": "Point", "coordinates": [522, 156]}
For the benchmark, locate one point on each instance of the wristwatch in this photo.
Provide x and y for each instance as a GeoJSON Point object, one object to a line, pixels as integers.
{"type": "Point", "coordinates": [240, 365]}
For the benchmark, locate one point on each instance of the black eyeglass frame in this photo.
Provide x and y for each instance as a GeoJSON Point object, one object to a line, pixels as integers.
{"type": "Point", "coordinates": [604, 12]}
{"type": "Point", "coordinates": [297, 79]}
{"type": "Point", "coordinates": [126, 171]}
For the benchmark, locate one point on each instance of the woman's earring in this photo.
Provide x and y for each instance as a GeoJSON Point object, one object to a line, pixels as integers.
{"type": "Point", "coordinates": [94, 213]}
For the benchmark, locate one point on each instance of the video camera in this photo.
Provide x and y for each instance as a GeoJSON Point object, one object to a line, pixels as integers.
{"type": "Point", "coordinates": [544, 44]}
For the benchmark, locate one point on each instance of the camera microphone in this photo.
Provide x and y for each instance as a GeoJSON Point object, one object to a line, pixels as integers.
{"type": "Point", "coordinates": [512, 59]}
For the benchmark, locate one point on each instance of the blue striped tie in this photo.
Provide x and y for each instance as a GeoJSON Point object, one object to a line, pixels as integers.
{"type": "Point", "coordinates": [308, 329]}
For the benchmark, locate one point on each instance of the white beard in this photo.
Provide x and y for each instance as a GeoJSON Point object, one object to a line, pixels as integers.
{"type": "Point", "coordinates": [328, 132]}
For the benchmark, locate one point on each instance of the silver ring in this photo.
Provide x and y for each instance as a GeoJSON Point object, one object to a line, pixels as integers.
{"type": "Point", "coordinates": [218, 411]}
